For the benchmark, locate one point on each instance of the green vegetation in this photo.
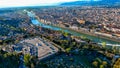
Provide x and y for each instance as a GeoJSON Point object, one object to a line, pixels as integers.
{"type": "Point", "coordinates": [27, 59]}
{"type": "Point", "coordinates": [30, 61]}
{"type": "Point", "coordinates": [8, 60]}
{"type": "Point", "coordinates": [94, 56]}
{"type": "Point", "coordinates": [98, 63]}
{"type": "Point", "coordinates": [103, 44]}
{"type": "Point", "coordinates": [77, 53]}
{"type": "Point", "coordinates": [117, 64]}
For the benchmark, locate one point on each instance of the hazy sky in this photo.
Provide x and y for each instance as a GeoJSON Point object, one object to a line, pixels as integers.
{"type": "Point", "coordinates": [12, 3]}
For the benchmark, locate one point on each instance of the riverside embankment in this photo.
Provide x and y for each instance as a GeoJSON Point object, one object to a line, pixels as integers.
{"type": "Point", "coordinates": [94, 37]}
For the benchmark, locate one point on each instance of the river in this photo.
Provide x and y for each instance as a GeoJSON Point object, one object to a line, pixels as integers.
{"type": "Point", "coordinates": [93, 38]}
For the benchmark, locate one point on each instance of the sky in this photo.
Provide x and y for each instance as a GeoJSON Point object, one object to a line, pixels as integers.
{"type": "Point", "coordinates": [17, 3]}
{"type": "Point", "coordinates": [14, 3]}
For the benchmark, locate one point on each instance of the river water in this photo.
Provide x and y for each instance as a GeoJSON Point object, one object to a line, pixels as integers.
{"type": "Point", "coordinates": [93, 38]}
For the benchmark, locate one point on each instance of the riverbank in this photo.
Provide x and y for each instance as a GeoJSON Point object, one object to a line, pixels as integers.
{"type": "Point", "coordinates": [86, 33]}
{"type": "Point", "coordinates": [89, 35]}
{"type": "Point", "coordinates": [96, 35]}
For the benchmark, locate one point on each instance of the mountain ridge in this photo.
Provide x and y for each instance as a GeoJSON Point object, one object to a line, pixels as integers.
{"type": "Point", "coordinates": [92, 3]}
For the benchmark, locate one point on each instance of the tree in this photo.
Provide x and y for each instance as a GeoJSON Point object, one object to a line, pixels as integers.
{"type": "Point", "coordinates": [103, 44]}
{"type": "Point", "coordinates": [32, 65]}
{"type": "Point", "coordinates": [117, 64]}
{"type": "Point", "coordinates": [16, 41]}
{"type": "Point", "coordinates": [65, 34]}
{"type": "Point", "coordinates": [27, 59]}
{"type": "Point", "coordinates": [1, 41]}
{"type": "Point", "coordinates": [114, 48]}
{"type": "Point", "coordinates": [99, 60]}
{"type": "Point", "coordinates": [98, 63]}
{"type": "Point", "coordinates": [101, 66]}
{"type": "Point", "coordinates": [68, 50]}
{"type": "Point", "coordinates": [104, 63]}
{"type": "Point", "coordinates": [95, 64]}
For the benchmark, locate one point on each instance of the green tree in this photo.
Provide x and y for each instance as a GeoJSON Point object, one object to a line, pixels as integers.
{"type": "Point", "coordinates": [101, 66]}
{"type": "Point", "coordinates": [104, 63]}
{"type": "Point", "coordinates": [27, 59]}
{"type": "Point", "coordinates": [103, 44]}
{"type": "Point", "coordinates": [117, 64]}
{"type": "Point", "coordinates": [95, 64]}
{"type": "Point", "coordinates": [68, 50]}
{"type": "Point", "coordinates": [1, 41]}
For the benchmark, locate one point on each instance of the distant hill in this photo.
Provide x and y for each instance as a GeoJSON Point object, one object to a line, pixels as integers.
{"type": "Point", "coordinates": [92, 3]}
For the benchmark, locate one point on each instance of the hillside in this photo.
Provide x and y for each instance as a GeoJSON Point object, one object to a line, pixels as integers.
{"type": "Point", "coordinates": [92, 3]}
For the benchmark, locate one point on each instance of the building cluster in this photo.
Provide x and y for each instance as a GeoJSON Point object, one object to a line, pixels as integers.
{"type": "Point", "coordinates": [71, 15]}
{"type": "Point", "coordinates": [33, 46]}
{"type": "Point", "coordinates": [101, 19]}
{"type": "Point", "coordinates": [12, 23]}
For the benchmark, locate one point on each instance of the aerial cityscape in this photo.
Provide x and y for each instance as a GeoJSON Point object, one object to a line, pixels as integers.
{"type": "Point", "coordinates": [60, 34]}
